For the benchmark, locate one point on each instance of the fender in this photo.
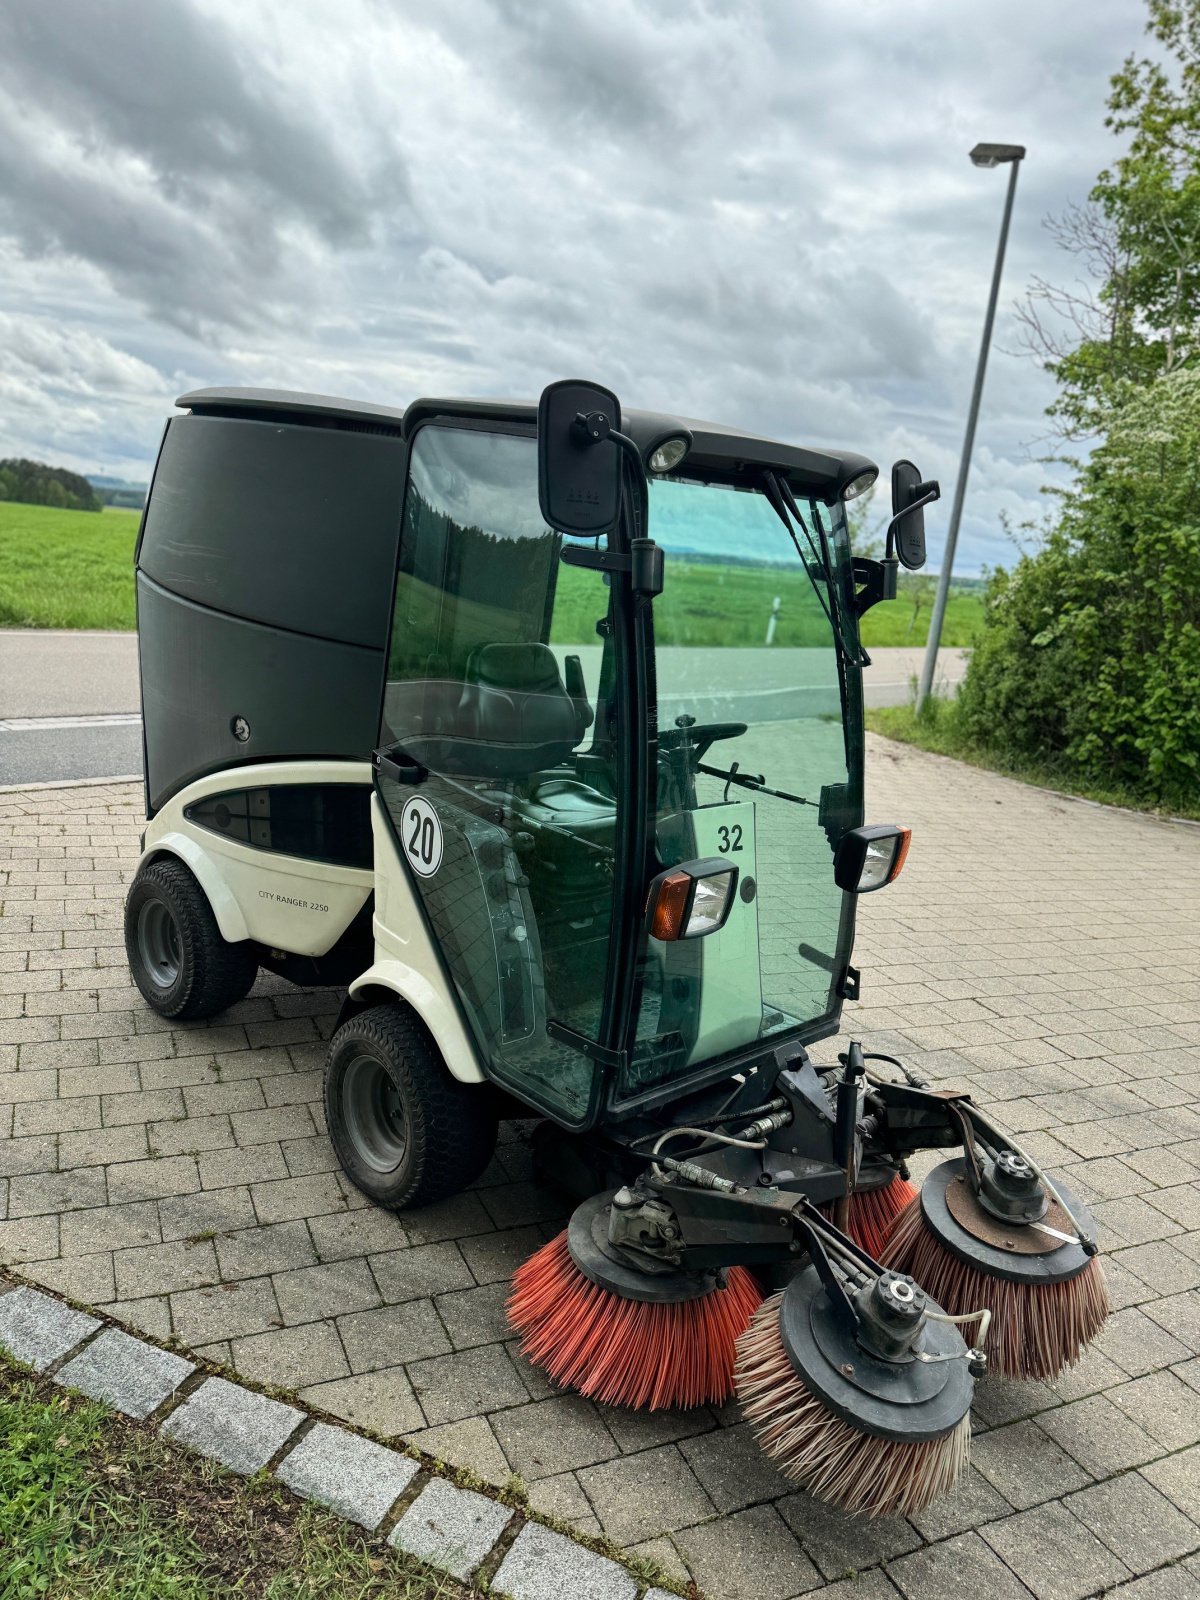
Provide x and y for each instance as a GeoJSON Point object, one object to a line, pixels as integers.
{"type": "Point", "coordinates": [208, 875]}
{"type": "Point", "coordinates": [432, 1005]}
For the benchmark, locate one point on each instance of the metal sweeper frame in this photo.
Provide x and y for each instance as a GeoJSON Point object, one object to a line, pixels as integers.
{"type": "Point", "coordinates": [602, 867]}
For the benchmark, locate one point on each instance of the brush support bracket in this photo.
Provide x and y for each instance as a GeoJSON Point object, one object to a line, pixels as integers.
{"type": "Point", "coordinates": [620, 1271]}
{"type": "Point", "coordinates": [1034, 1252]}
{"type": "Point", "coordinates": [910, 1400]}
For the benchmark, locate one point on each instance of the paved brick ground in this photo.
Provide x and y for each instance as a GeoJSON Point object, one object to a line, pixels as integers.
{"type": "Point", "coordinates": [1043, 952]}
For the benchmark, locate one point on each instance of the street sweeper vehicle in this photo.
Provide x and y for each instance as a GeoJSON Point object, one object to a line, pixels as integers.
{"type": "Point", "coordinates": [540, 727]}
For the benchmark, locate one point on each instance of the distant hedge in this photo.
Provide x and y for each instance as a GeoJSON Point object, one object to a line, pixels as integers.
{"type": "Point", "coordinates": [33, 483]}
{"type": "Point", "coordinates": [1089, 658]}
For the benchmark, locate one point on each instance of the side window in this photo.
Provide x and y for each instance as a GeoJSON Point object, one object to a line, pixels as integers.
{"type": "Point", "coordinates": [495, 666]}
{"type": "Point", "coordinates": [318, 821]}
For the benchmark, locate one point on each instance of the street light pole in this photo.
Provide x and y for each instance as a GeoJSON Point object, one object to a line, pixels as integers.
{"type": "Point", "coordinates": [983, 155]}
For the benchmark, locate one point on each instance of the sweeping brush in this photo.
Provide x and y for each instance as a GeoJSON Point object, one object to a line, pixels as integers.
{"type": "Point", "coordinates": [1047, 1297]}
{"type": "Point", "coordinates": [621, 1336]}
{"type": "Point", "coordinates": [840, 1443]}
{"type": "Point", "coordinates": [872, 1212]}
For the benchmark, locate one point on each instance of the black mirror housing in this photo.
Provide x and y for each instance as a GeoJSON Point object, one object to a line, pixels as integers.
{"type": "Point", "coordinates": [579, 464]}
{"type": "Point", "coordinates": [910, 495]}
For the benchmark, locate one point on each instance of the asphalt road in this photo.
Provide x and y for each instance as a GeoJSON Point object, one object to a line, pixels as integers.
{"type": "Point", "coordinates": [69, 701]}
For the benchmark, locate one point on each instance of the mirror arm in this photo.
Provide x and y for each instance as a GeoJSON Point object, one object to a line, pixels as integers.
{"type": "Point", "coordinates": [932, 492]}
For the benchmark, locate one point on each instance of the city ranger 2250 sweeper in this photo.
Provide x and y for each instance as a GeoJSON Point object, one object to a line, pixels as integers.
{"type": "Point", "coordinates": [541, 728]}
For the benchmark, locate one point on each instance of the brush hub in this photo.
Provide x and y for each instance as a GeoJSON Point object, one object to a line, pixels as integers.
{"type": "Point", "coordinates": [901, 1399]}
{"type": "Point", "coordinates": [1003, 1247]}
{"type": "Point", "coordinates": [1010, 1189]}
{"type": "Point", "coordinates": [627, 1273]}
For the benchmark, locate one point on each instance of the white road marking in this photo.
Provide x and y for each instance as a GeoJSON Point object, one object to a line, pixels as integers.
{"type": "Point", "coordinates": [60, 724]}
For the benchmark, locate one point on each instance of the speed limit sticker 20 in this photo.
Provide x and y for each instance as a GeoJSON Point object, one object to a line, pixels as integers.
{"type": "Point", "coordinates": [421, 836]}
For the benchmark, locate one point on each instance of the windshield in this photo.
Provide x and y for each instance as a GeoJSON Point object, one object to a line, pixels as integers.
{"type": "Point", "coordinates": [754, 766]}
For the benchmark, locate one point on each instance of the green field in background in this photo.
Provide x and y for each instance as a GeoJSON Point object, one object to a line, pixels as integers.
{"type": "Point", "coordinates": [74, 569]}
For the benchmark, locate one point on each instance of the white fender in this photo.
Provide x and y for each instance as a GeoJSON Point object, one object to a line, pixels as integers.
{"type": "Point", "coordinates": [434, 1008]}
{"type": "Point", "coordinates": [209, 876]}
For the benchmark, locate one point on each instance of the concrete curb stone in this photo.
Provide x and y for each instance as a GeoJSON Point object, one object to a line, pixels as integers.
{"type": "Point", "coordinates": [39, 1330]}
{"type": "Point", "coordinates": [355, 1477]}
{"type": "Point", "coordinates": [233, 1425]}
{"type": "Point", "coordinates": [127, 1374]}
{"type": "Point", "coordinates": [452, 1529]}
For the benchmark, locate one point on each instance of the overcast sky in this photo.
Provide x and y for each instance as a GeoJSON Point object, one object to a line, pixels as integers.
{"type": "Point", "coordinates": [755, 211]}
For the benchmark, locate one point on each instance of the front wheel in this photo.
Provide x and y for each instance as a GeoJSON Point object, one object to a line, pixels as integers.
{"type": "Point", "coordinates": [406, 1132]}
{"type": "Point", "coordinates": [177, 957]}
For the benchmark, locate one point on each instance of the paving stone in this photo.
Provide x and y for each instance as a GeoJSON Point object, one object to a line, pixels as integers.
{"type": "Point", "coordinates": [1135, 1521]}
{"type": "Point", "coordinates": [871, 1585]}
{"type": "Point", "coordinates": [452, 1529]}
{"type": "Point", "coordinates": [466, 1383]}
{"type": "Point", "coordinates": [126, 1373]}
{"type": "Point", "coordinates": [352, 1476]}
{"type": "Point", "coordinates": [162, 1268]}
{"type": "Point", "coordinates": [312, 1292]}
{"type": "Point", "coordinates": [840, 1544]}
{"type": "Point", "coordinates": [391, 1334]}
{"type": "Point", "coordinates": [227, 1169]}
{"type": "Point", "coordinates": [87, 1278]}
{"type": "Point", "coordinates": [241, 1429]}
{"type": "Point", "coordinates": [553, 1436]}
{"type": "Point", "coordinates": [751, 1555]}
{"type": "Point", "coordinates": [562, 1498]}
{"type": "Point", "coordinates": [470, 1444]}
{"type": "Point", "coordinates": [37, 1329]}
{"type": "Point", "coordinates": [192, 1136]}
{"type": "Point", "coordinates": [151, 1315]}
{"type": "Point", "coordinates": [1026, 1465]}
{"type": "Point", "coordinates": [1168, 1583]}
{"type": "Point", "coordinates": [1179, 1314]}
{"type": "Point", "coordinates": [1054, 1553]}
{"type": "Point", "coordinates": [122, 1227]}
{"type": "Point", "coordinates": [291, 1358]}
{"type": "Point", "coordinates": [639, 1496]}
{"type": "Point", "coordinates": [642, 1430]}
{"type": "Point", "coordinates": [57, 1116]}
{"type": "Point", "coordinates": [213, 1211]}
{"type": "Point", "coordinates": [253, 1252]}
{"type": "Point", "coordinates": [16, 1088]}
{"type": "Point", "coordinates": [203, 1315]}
{"type": "Point", "coordinates": [152, 1179]}
{"type": "Point", "coordinates": [1099, 1437]}
{"type": "Point", "coordinates": [37, 1154]}
{"type": "Point", "coordinates": [41, 1193]}
{"type": "Point", "coordinates": [338, 1235]}
{"type": "Point", "coordinates": [475, 1316]}
{"type": "Point", "coordinates": [972, 1502]}
{"type": "Point", "coordinates": [455, 1218]}
{"type": "Point", "coordinates": [303, 1156]}
{"type": "Point", "coordinates": [962, 1566]}
{"type": "Point", "coordinates": [1137, 1344]}
{"type": "Point", "coordinates": [1178, 1477]}
{"type": "Point", "coordinates": [413, 1274]}
{"type": "Point", "coordinates": [543, 1565]}
{"type": "Point", "coordinates": [29, 1239]}
{"type": "Point", "coordinates": [382, 1401]}
{"type": "Point", "coordinates": [1163, 1406]}
{"type": "Point", "coordinates": [732, 1468]}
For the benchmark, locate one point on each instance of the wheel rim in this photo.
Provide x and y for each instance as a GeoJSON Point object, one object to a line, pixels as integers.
{"type": "Point", "coordinates": [158, 943]}
{"type": "Point", "coordinates": [373, 1114]}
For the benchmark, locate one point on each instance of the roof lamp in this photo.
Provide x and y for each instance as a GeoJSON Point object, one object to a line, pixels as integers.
{"type": "Point", "coordinates": [861, 484]}
{"type": "Point", "coordinates": [666, 454]}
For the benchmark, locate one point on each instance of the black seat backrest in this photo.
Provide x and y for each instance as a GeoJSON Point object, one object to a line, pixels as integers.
{"type": "Point", "coordinates": [515, 710]}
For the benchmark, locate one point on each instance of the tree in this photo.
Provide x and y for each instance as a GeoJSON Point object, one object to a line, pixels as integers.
{"type": "Point", "coordinates": [1138, 237]}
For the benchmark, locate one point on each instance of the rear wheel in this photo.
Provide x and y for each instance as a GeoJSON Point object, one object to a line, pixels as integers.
{"type": "Point", "coordinates": [405, 1131]}
{"type": "Point", "coordinates": [177, 957]}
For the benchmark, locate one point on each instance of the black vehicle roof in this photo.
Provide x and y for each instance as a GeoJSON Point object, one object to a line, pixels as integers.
{"type": "Point", "coordinates": [725, 452]}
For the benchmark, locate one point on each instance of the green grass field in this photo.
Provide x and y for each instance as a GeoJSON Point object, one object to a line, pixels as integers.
{"type": "Point", "coordinates": [74, 569]}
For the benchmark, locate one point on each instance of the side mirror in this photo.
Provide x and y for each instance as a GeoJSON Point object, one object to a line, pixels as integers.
{"type": "Point", "coordinates": [579, 463]}
{"type": "Point", "coordinates": [910, 495]}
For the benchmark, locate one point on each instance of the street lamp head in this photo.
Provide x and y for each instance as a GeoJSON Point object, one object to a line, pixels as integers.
{"type": "Point", "coordinates": [995, 155]}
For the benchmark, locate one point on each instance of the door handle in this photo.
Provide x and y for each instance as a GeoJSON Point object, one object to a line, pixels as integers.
{"type": "Point", "coordinates": [399, 766]}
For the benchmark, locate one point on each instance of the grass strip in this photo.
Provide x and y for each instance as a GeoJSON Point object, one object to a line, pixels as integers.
{"type": "Point", "coordinates": [93, 1507]}
{"type": "Point", "coordinates": [939, 730]}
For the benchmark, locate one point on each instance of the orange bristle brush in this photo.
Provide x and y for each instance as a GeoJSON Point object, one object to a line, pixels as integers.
{"type": "Point", "coordinates": [872, 1212]}
{"type": "Point", "coordinates": [621, 1336]}
{"type": "Point", "coordinates": [818, 1403]}
{"type": "Point", "coordinates": [1048, 1298]}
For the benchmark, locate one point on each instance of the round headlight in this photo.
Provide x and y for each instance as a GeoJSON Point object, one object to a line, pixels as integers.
{"type": "Point", "coordinates": [665, 457]}
{"type": "Point", "coordinates": [860, 485]}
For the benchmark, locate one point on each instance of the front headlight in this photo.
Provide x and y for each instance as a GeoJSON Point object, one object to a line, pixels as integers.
{"type": "Point", "coordinates": [691, 900]}
{"type": "Point", "coordinates": [868, 858]}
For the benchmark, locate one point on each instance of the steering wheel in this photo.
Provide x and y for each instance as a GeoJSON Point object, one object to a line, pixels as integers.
{"type": "Point", "coordinates": [698, 735]}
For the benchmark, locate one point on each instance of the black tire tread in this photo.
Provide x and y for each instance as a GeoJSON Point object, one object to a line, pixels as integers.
{"type": "Point", "coordinates": [452, 1125]}
{"type": "Point", "coordinates": [219, 974]}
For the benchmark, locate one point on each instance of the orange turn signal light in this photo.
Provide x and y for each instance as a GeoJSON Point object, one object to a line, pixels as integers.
{"type": "Point", "coordinates": [870, 858]}
{"type": "Point", "coordinates": [690, 900]}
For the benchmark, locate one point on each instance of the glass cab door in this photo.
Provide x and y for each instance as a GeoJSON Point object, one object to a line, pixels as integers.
{"type": "Point", "coordinates": [499, 700]}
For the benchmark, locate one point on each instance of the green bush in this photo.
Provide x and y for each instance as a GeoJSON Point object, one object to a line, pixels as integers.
{"type": "Point", "coordinates": [1089, 658]}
